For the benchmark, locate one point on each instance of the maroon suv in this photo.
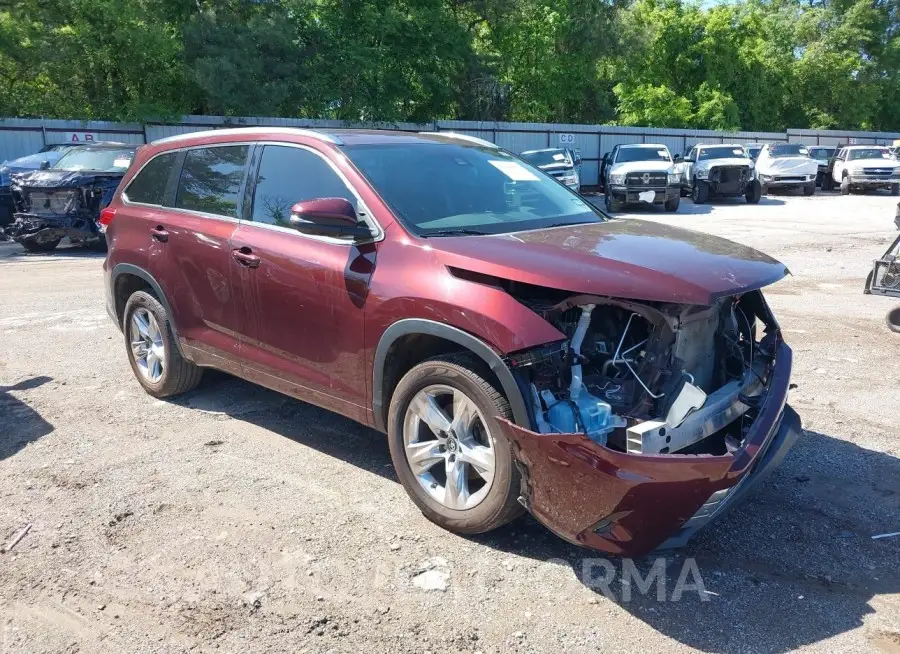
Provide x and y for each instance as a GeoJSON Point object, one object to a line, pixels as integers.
{"type": "Point", "coordinates": [623, 381]}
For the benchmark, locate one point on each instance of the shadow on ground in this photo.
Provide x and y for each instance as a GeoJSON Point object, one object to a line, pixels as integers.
{"type": "Point", "coordinates": [793, 565]}
{"type": "Point", "coordinates": [19, 423]}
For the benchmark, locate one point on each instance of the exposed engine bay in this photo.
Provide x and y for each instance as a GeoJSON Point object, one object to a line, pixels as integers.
{"type": "Point", "coordinates": [51, 205]}
{"type": "Point", "coordinates": [649, 378]}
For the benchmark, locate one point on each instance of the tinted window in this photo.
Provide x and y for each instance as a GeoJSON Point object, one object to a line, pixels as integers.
{"type": "Point", "coordinates": [643, 154]}
{"type": "Point", "coordinates": [442, 189]}
{"type": "Point", "coordinates": [290, 175]}
{"type": "Point", "coordinates": [788, 150]}
{"type": "Point", "coordinates": [149, 186]}
{"type": "Point", "coordinates": [211, 179]}
{"type": "Point", "coordinates": [722, 152]}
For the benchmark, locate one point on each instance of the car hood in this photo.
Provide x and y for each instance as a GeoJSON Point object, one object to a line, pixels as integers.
{"type": "Point", "coordinates": [632, 259]}
{"type": "Point", "coordinates": [64, 178]}
{"type": "Point", "coordinates": [642, 167]}
{"type": "Point", "coordinates": [873, 163]}
{"type": "Point", "coordinates": [788, 166]}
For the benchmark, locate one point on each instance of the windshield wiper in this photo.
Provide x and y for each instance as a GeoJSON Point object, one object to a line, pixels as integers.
{"type": "Point", "coordinates": [462, 231]}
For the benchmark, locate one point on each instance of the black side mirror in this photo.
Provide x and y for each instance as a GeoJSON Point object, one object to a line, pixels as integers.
{"type": "Point", "coordinates": [45, 165]}
{"type": "Point", "coordinates": [334, 217]}
{"type": "Point", "coordinates": [677, 158]}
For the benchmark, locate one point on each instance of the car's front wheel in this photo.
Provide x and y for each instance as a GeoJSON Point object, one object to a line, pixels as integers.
{"type": "Point", "coordinates": [612, 205]}
{"type": "Point", "coordinates": [845, 186]}
{"type": "Point", "coordinates": [672, 205]}
{"type": "Point", "coordinates": [33, 245]}
{"type": "Point", "coordinates": [809, 189]}
{"type": "Point", "coordinates": [152, 352]}
{"type": "Point", "coordinates": [447, 448]}
{"type": "Point", "coordinates": [895, 189]}
{"type": "Point", "coordinates": [700, 192]}
{"type": "Point", "coordinates": [754, 192]}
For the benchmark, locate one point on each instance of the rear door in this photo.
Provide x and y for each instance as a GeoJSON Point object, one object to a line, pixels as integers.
{"type": "Point", "coordinates": [304, 295]}
{"type": "Point", "coordinates": [190, 255]}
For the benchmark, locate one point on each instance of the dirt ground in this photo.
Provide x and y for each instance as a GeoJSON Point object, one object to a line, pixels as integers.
{"type": "Point", "coordinates": [235, 519]}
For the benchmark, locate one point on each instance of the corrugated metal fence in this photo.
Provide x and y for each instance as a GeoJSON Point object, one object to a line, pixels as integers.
{"type": "Point", "coordinates": [19, 137]}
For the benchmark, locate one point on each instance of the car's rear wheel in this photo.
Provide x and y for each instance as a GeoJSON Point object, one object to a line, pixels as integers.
{"type": "Point", "coordinates": [152, 352]}
{"type": "Point", "coordinates": [754, 192]}
{"type": "Point", "coordinates": [447, 448]}
{"type": "Point", "coordinates": [33, 245]}
{"type": "Point", "coordinates": [700, 192]}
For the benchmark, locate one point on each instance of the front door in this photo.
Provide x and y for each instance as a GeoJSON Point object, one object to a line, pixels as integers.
{"type": "Point", "coordinates": [839, 163]}
{"type": "Point", "coordinates": [191, 253]}
{"type": "Point", "coordinates": [304, 295]}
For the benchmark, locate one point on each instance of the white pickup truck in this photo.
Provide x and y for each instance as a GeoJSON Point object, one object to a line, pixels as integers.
{"type": "Point", "coordinates": [639, 173]}
{"type": "Point", "coordinates": [862, 168]}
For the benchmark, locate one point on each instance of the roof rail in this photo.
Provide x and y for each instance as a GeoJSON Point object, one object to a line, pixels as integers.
{"type": "Point", "coordinates": [463, 137]}
{"type": "Point", "coordinates": [257, 129]}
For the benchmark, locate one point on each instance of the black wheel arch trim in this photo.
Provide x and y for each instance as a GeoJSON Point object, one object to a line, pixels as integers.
{"type": "Point", "coordinates": [408, 326]}
{"type": "Point", "coordinates": [130, 269]}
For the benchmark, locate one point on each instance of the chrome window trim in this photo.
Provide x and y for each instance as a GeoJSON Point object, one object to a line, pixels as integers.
{"type": "Point", "coordinates": [365, 213]}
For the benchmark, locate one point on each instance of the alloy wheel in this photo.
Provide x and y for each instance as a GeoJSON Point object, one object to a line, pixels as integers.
{"type": "Point", "coordinates": [448, 447]}
{"type": "Point", "coordinates": [147, 345]}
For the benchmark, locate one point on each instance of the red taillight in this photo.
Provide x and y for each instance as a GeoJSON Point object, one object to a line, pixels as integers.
{"type": "Point", "coordinates": [106, 217]}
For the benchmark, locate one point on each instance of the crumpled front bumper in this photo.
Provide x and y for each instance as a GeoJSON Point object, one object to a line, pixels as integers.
{"type": "Point", "coordinates": [631, 504]}
{"type": "Point", "coordinates": [47, 228]}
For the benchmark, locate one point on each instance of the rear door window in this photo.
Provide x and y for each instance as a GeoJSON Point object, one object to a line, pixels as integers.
{"type": "Point", "coordinates": [149, 185]}
{"type": "Point", "coordinates": [288, 175]}
{"type": "Point", "coordinates": [211, 179]}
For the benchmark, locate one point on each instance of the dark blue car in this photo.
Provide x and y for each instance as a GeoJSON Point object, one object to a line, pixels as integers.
{"type": "Point", "coordinates": [46, 158]}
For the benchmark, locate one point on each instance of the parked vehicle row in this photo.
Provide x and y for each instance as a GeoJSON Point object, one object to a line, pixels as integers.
{"type": "Point", "coordinates": [623, 381]}
{"type": "Point", "coordinates": [648, 173]}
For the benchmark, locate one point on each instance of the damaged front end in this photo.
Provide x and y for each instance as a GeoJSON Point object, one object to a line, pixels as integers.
{"type": "Point", "coordinates": [650, 418]}
{"type": "Point", "coordinates": [52, 205]}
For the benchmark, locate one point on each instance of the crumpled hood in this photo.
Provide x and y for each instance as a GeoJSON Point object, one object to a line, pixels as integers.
{"type": "Point", "coordinates": [788, 166]}
{"type": "Point", "coordinates": [633, 259]}
{"type": "Point", "coordinates": [64, 178]}
{"type": "Point", "coordinates": [642, 167]}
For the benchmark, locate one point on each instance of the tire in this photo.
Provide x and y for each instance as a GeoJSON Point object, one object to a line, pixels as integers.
{"type": "Point", "coordinates": [809, 189]}
{"type": "Point", "coordinates": [699, 192]}
{"type": "Point", "coordinates": [37, 246]}
{"type": "Point", "coordinates": [460, 373]}
{"type": "Point", "coordinates": [177, 374]}
{"type": "Point", "coordinates": [754, 192]}
{"type": "Point", "coordinates": [845, 186]}
{"type": "Point", "coordinates": [827, 182]}
{"type": "Point", "coordinates": [893, 320]}
{"type": "Point", "coordinates": [895, 189]}
{"type": "Point", "coordinates": [672, 205]}
{"type": "Point", "coordinates": [612, 205]}
{"type": "Point", "coordinates": [684, 192]}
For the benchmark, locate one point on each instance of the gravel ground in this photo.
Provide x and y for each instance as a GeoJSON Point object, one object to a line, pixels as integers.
{"type": "Point", "coordinates": [236, 519]}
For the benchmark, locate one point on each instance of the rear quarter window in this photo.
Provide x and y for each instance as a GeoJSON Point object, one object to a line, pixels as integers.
{"type": "Point", "coordinates": [149, 185]}
{"type": "Point", "coordinates": [211, 179]}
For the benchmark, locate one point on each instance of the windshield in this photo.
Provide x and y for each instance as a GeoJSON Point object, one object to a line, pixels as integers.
{"type": "Point", "coordinates": [643, 154]}
{"type": "Point", "coordinates": [788, 150]}
{"type": "Point", "coordinates": [723, 152]}
{"type": "Point", "coordinates": [105, 160]}
{"type": "Point", "coordinates": [441, 189]}
{"type": "Point", "coordinates": [868, 153]}
{"type": "Point", "coordinates": [546, 158]}
{"type": "Point", "coordinates": [33, 160]}
{"type": "Point", "coordinates": [822, 154]}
